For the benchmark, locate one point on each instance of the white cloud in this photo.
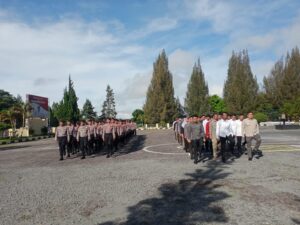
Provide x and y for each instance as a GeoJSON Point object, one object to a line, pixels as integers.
{"type": "Point", "coordinates": [37, 59]}
{"type": "Point", "coordinates": [219, 13]}
{"type": "Point", "coordinates": [153, 26]}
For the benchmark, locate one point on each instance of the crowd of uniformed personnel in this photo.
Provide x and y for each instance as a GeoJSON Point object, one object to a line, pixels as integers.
{"type": "Point", "coordinates": [218, 134]}
{"type": "Point", "coordinates": [90, 137]}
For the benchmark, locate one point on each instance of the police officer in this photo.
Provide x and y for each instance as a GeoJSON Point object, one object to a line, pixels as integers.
{"type": "Point", "coordinates": [70, 128]}
{"type": "Point", "coordinates": [108, 137]}
{"type": "Point", "coordinates": [75, 142]}
{"type": "Point", "coordinates": [62, 136]}
{"type": "Point", "coordinates": [83, 136]}
{"type": "Point", "coordinates": [91, 142]}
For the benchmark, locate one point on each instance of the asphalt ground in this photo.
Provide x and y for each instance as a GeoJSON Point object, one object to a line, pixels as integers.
{"type": "Point", "coordinates": [151, 180]}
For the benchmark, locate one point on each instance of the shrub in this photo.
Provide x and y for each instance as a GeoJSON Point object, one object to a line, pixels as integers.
{"type": "Point", "coordinates": [261, 117]}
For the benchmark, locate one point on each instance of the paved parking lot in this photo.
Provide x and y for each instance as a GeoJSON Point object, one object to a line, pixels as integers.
{"type": "Point", "coordinates": [150, 181]}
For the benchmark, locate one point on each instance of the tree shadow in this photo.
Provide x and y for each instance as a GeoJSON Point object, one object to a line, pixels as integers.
{"type": "Point", "coordinates": [296, 221]}
{"type": "Point", "coordinates": [135, 144]}
{"type": "Point", "coordinates": [194, 200]}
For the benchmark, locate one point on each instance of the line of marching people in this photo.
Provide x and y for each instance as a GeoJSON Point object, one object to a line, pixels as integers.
{"type": "Point", "coordinates": [90, 137]}
{"type": "Point", "coordinates": [218, 134]}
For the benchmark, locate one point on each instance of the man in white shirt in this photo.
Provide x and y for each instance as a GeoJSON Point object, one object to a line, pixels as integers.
{"type": "Point", "coordinates": [223, 131]}
{"type": "Point", "coordinates": [233, 132]}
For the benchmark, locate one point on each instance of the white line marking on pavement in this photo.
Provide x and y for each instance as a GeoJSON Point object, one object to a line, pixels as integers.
{"type": "Point", "coordinates": [146, 149]}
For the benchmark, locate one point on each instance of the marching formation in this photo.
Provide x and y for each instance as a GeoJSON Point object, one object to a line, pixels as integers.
{"type": "Point", "coordinates": [90, 137]}
{"type": "Point", "coordinates": [218, 134]}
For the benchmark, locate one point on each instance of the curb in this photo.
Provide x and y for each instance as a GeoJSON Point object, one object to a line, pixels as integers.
{"type": "Point", "coordinates": [26, 139]}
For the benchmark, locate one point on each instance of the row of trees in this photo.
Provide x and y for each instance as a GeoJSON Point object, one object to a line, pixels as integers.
{"type": "Point", "coordinates": [67, 108]}
{"type": "Point", "coordinates": [14, 111]}
{"type": "Point", "coordinates": [280, 92]}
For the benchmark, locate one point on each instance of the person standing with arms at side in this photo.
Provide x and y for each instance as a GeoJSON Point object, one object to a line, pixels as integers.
{"type": "Point", "coordinates": [83, 136]}
{"type": "Point", "coordinates": [213, 134]}
{"type": "Point", "coordinates": [179, 133]}
{"type": "Point", "coordinates": [223, 130]}
{"type": "Point", "coordinates": [186, 127]}
{"type": "Point", "coordinates": [91, 142]}
{"type": "Point", "coordinates": [208, 142]}
{"type": "Point", "coordinates": [108, 137]}
{"type": "Point", "coordinates": [195, 138]}
{"type": "Point", "coordinates": [251, 132]}
{"type": "Point", "coordinates": [232, 135]}
{"type": "Point", "coordinates": [239, 134]}
{"type": "Point", "coordinates": [175, 124]}
{"type": "Point", "coordinates": [62, 136]}
{"type": "Point", "coordinates": [70, 128]}
{"type": "Point", "coordinates": [75, 144]}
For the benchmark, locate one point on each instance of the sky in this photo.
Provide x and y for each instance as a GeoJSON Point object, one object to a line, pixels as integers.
{"type": "Point", "coordinates": [116, 42]}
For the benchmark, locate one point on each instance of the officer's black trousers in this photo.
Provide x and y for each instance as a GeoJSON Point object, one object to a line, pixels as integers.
{"type": "Point", "coordinates": [108, 139]}
{"type": "Point", "coordinates": [91, 145]}
{"type": "Point", "coordinates": [62, 141]}
{"type": "Point", "coordinates": [239, 144]}
{"type": "Point", "coordinates": [223, 141]}
{"type": "Point", "coordinates": [83, 141]}
{"type": "Point", "coordinates": [231, 139]}
{"type": "Point", "coordinates": [74, 145]}
{"type": "Point", "coordinates": [197, 149]}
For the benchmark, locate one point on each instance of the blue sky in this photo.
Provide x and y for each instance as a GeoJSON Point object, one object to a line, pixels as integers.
{"type": "Point", "coordinates": [116, 42]}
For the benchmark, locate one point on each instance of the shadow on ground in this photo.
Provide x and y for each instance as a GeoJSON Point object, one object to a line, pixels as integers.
{"type": "Point", "coordinates": [193, 200]}
{"type": "Point", "coordinates": [2, 148]}
{"type": "Point", "coordinates": [137, 143]}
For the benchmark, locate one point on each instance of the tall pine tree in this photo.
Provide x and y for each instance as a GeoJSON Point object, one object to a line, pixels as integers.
{"type": "Point", "coordinates": [109, 107]}
{"type": "Point", "coordinates": [282, 85]}
{"type": "Point", "coordinates": [196, 101]}
{"type": "Point", "coordinates": [290, 85]}
{"type": "Point", "coordinates": [67, 108]}
{"type": "Point", "coordinates": [160, 104]}
{"type": "Point", "coordinates": [88, 110]}
{"type": "Point", "coordinates": [241, 88]}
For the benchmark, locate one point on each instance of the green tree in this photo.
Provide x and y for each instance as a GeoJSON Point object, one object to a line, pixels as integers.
{"type": "Point", "coordinates": [260, 117]}
{"type": "Point", "coordinates": [109, 107]}
{"type": "Point", "coordinates": [88, 110]}
{"type": "Point", "coordinates": [290, 83]}
{"type": "Point", "coordinates": [196, 101]}
{"type": "Point", "coordinates": [10, 116]}
{"type": "Point", "coordinates": [67, 108]}
{"type": "Point", "coordinates": [241, 88]}
{"type": "Point", "coordinates": [180, 111]}
{"type": "Point", "coordinates": [7, 100]}
{"type": "Point", "coordinates": [73, 113]}
{"type": "Point", "coordinates": [52, 118]}
{"type": "Point", "coordinates": [138, 116]}
{"type": "Point", "coordinates": [282, 85]}
{"type": "Point", "coordinates": [272, 85]}
{"type": "Point", "coordinates": [216, 104]}
{"type": "Point", "coordinates": [160, 104]}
